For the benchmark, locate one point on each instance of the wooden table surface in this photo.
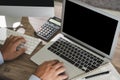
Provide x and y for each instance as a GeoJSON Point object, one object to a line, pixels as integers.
{"type": "Point", "coordinates": [22, 67]}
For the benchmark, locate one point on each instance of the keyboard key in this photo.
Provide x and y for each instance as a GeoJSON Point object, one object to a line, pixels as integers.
{"type": "Point", "coordinates": [31, 42]}
{"type": "Point", "coordinates": [75, 55]}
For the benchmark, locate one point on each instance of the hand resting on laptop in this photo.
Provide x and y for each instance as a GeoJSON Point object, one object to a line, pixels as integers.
{"type": "Point", "coordinates": [9, 51]}
{"type": "Point", "coordinates": [51, 70]}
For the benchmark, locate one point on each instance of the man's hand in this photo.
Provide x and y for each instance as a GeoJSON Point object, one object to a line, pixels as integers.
{"type": "Point", "coordinates": [51, 70]}
{"type": "Point", "coordinates": [9, 51]}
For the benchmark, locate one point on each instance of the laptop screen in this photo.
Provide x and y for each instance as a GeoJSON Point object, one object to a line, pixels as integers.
{"type": "Point", "coordinates": [88, 26]}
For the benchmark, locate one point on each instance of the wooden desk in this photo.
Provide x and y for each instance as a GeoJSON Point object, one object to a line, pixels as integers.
{"type": "Point", "coordinates": [116, 57]}
{"type": "Point", "coordinates": [22, 67]}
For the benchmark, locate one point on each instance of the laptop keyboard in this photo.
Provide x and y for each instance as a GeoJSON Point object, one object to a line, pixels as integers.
{"type": "Point", "coordinates": [75, 55]}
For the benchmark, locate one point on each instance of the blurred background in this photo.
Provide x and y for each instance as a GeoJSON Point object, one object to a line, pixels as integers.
{"type": "Point", "coordinates": [107, 4]}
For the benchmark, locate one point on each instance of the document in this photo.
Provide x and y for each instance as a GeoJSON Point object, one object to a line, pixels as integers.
{"type": "Point", "coordinates": [104, 72]}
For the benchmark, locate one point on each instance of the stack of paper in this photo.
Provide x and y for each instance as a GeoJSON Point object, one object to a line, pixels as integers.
{"type": "Point", "coordinates": [112, 75]}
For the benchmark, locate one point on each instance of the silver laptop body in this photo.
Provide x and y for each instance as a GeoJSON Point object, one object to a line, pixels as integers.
{"type": "Point", "coordinates": [44, 54]}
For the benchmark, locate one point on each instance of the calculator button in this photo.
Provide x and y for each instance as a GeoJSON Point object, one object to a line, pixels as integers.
{"type": "Point", "coordinates": [47, 30]}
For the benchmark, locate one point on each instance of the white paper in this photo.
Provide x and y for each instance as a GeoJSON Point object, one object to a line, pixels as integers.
{"type": "Point", "coordinates": [113, 75]}
{"type": "Point", "coordinates": [103, 77]}
{"type": "Point", "coordinates": [2, 21]}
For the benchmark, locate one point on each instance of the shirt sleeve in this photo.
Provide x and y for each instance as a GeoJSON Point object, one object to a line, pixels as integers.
{"type": "Point", "coordinates": [33, 77]}
{"type": "Point", "coordinates": [1, 58]}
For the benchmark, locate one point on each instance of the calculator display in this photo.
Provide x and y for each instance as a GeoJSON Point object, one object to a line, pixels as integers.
{"type": "Point", "coordinates": [55, 22]}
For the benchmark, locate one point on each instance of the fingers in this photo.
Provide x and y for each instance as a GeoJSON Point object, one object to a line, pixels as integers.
{"type": "Point", "coordinates": [52, 62]}
{"type": "Point", "coordinates": [58, 65]}
{"type": "Point", "coordinates": [19, 40]}
{"type": "Point", "coordinates": [12, 39]}
{"type": "Point", "coordinates": [60, 70]}
{"type": "Point", "coordinates": [8, 39]}
{"type": "Point", "coordinates": [62, 77]}
{"type": "Point", "coordinates": [20, 51]}
{"type": "Point", "coordinates": [16, 40]}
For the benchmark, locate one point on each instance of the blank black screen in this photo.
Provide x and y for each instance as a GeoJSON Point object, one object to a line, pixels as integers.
{"type": "Point", "coordinates": [27, 2]}
{"type": "Point", "coordinates": [88, 26]}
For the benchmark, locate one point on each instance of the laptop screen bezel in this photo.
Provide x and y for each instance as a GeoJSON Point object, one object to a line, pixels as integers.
{"type": "Point", "coordinates": [112, 51]}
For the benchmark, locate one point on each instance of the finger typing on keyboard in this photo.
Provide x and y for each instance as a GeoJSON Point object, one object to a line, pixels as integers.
{"type": "Point", "coordinates": [22, 45]}
{"type": "Point", "coordinates": [31, 42]}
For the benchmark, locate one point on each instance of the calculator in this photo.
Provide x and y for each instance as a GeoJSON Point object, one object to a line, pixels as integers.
{"type": "Point", "coordinates": [49, 28]}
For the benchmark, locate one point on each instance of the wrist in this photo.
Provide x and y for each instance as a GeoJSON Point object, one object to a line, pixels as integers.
{"type": "Point", "coordinates": [38, 75]}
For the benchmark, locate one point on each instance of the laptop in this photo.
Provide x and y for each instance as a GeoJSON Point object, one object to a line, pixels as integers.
{"type": "Point", "coordinates": [87, 40]}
